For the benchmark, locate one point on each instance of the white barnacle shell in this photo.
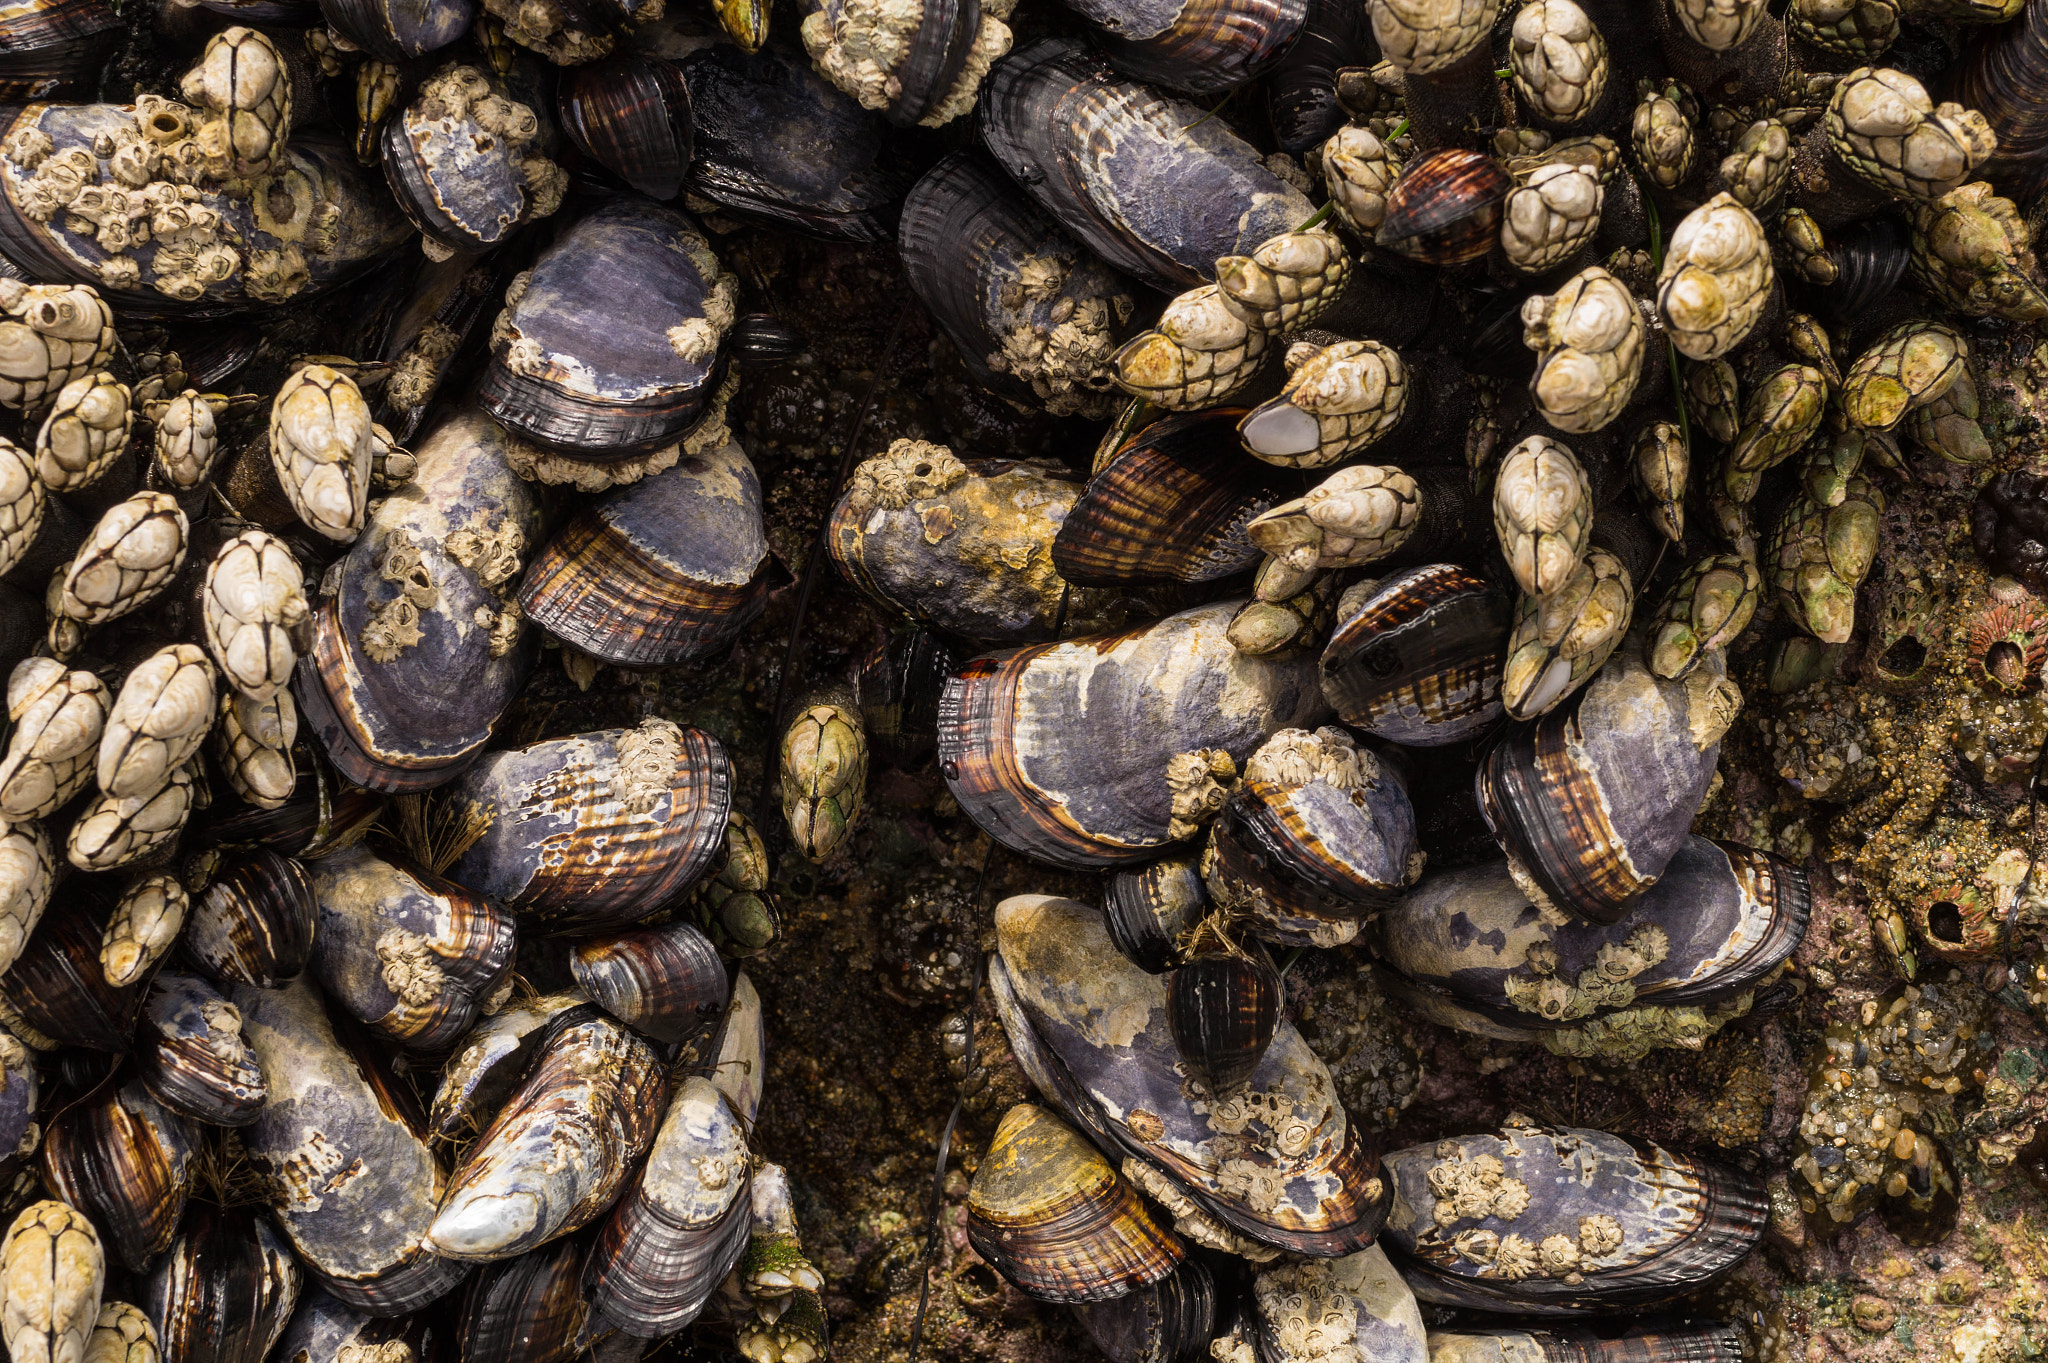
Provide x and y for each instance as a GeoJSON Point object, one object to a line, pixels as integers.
{"type": "Point", "coordinates": [1543, 513]}
{"type": "Point", "coordinates": [28, 866]}
{"type": "Point", "coordinates": [130, 556]}
{"type": "Point", "coordinates": [254, 596]}
{"type": "Point", "coordinates": [22, 503]}
{"type": "Point", "coordinates": [144, 925]}
{"type": "Point", "coordinates": [1716, 278]}
{"type": "Point", "coordinates": [58, 716]}
{"type": "Point", "coordinates": [1590, 337]}
{"type": "Point", "coordinates": [320, 446]}
{"type": "Point", "coordinates": [187, 439]}
{"type": "Point", "coordinates": [253, 743]}
{"type": "Point", "coordinates": [53, 1269]}
{"type": "Point", "coordinates": [157, 722]}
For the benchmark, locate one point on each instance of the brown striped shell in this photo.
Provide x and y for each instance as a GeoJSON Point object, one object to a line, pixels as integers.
{"type": "Point", "coordinates": [255, 923]}
{"type": "Point", "coordinates": [1419, 662]}
{"type": "Point", "coordinates": [1446, 207]}
{"type": "Point", "coordinates": [123, 1159]}
{"type": "Point", "coordinates": [56, 993]}
{"type": "Point", "coordinates": [225, 1291]}
{"type": "Point", "coordinates": [191, 1053]}
{"type": "Point", "coordinates": [667, 982]}
{"type": "Point", "coordinates": [525, 1310]}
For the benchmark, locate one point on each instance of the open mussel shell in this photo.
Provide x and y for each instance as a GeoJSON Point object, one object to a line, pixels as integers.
{"type": "Point", "coordinates": [1593, 799]}
{"type": "Point", "coordinates": [1222, 1008]}
{"type": "Point", "coordinates": [1550, 1221]}
{"type": "Point", "coordinates": [681, 1226]}
{"type": "Point", "coordinates": [1719, 920]}
{"type": "Point", "coordinates": [395, 31]}
{"type": "Point", "coordinates": [1058, 983]}
{"type": "Point", "coordinates": [1031, 765]}
{"type": "Point", "coordinates": [225, 1291]}
{"type": "Point", "coordinates": [326, 1329]}
{"type": "Point", "coordinates": [1169, 1321]}
{"type": "Point", "coordinates": [1627, 1340]}
{"type": "Point", "coordinates": [666, 982]}
{"type": "Point", "coordinates": [56, 993]}
{"type": "Point", "coordinates": [1058, 1220]}
{"type": "Point", "coordinates": [609, 382]}
{"type": "Point", "coordinates": [1171, 507]}
{"type": "Point", "coordinates": [631, 115]}
{"type": "Point", "coordinates": [255, 923]}
{"type": "Point", "coordinates": [659, 571]}
{"type": "Point", "coordinates": [1419, 662]}
{"type": "Point", "coordinates": [118, 1156]}
{"type": "Point", "coordinates": [777, 142]}
{"type": "Point", "coordinates": [560, 1147]}
{"type": "Point", "coordinates": [1147, 910]}
{"type": "Point", "coordinates": [494, 1058]}
{"type": "Point", "coordinates": [54, 49]}
{"type": "Point", "coordinates": [415, 957]}
{"type": "Point", "coordinates": [191, 1054]}
{"type": "Point", "coordinates": [524, 1310]}
{"type": "Point", "coordinates": [333, 1106]}
{"type": "Point", "coordinates": [418, 652]}
{"type": "Point", "coordinates": [594, 830]}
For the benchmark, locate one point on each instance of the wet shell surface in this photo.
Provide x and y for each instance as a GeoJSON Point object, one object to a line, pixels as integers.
{"type": "Point", "coordinates": [666, 982]}
{"type": "Point", "coordinates": [255, 923]}
{"type": "Point", "coordinates": [225, 1291]}
{"type": "Point", "coordinates": [127, 1162]}
{"type": "Point", "coordinates": [56, 994]}
{"type": "Point", "coordinates": [494, 1057]}
{"type": "Point", "coordinates": [525, 1310]}
{"type": "Point", "coordinates": [1419, 661]}
{"type": "Point", "coordinates": [192, 1053]}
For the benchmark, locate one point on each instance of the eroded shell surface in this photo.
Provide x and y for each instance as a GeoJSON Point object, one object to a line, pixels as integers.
{"type": "Point", "coordinates": [192, 1055]}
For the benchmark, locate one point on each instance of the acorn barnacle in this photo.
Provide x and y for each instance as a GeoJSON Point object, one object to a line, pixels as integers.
{"type": "Point", "coordinates": [2008, 642]}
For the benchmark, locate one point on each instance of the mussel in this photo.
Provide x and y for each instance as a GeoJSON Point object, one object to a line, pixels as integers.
{"type": "Point", "coordinates": [631, 115]}
{"type": "Point", "coordinates": [54, 49]}
{"type": "Point", "coordinates": [493, 1059]}
{"type": "Point", "coordinates": [525, 1310]}
{"type": "Point", "coordinates": [1359, 1302]}
{"type": "Point", "coordinates": [325, 1329]}
{"type": "Point", "coordinates": [1222, 1007]}
{"type": "Point", "coordinates": [191, 1053]}
{"type": "Point", "coordinates": [1418, 662]}
{"type": "Point", "coordinates": [225, 1291]}
{"type": "Point", "coordinates": [1608, 1341]}
{"type": "Point", "coordinates": [666, 982]}
{"type": "Point", "coordinates": [255, 923]}
{"type": "Point", "coordinates": [1148, 910]}
{"type": "Point", "coordinates": [464, 163]}
{"type": "Point", "coordinates": [56, 994]}
{"type": "Point", "coordinates": [119, 1156]}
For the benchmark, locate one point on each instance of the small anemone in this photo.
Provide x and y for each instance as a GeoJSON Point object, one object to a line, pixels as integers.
{"type": "Point", "coordinates": [2008, 644]}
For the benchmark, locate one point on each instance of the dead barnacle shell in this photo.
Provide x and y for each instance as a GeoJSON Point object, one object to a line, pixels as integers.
{"type": "Point", "coordinates": [157, 722]}
{"type": "Point", "coordinates": [1359, 172]}
{"type": "Point", "coordinates": [1885, 127]}
{"type": "Point", "coordinates": [254, 924]}
{"type": "Point", "coordinates": [1972, 250]}
{"type": "Point", "coordinates": [1550, 215]}
{"type": "Point", "coordinates": [1588, 1240]}
{"type": "Point", "coordinates": [145, 924]}
{"type": "Point", "coordinates": [1706, 609]}
{"type": "Point", "coordinates": [1559, 62]}
{"type": "Point", "coordinates": [252, 599]}
{"type": "Point", "coordinates": [412, 956]}
{"type": "Point", "coordinates": [1199, 352]}
{"type": "Point", "coordinates": [1661, 133]}
{"type": "Point", "coordinates": [1354, 516]}
{"type": "Point", "coordinates": [824, 772]}
{"type": "Point", "coordinates": [252, 747]}
{"type": "Point", "coordinates": [1446, 208]}
{"type": "Point", "coordinates": [320, 447]}
{"type": "Point", "coordinates": [224, 1265]}
{"type": "Point", "coordinates": [1906, 367]}
{"type": "Point", "coordinates": [1659, 467]}
{"type": "Point", "coordinates": [1780, 416]}
{"type": "Point", "coordinates": [561, 1147]}
{"type": "Point", "coordinates": [877, 54]}
{"type": "Point", "coordinates": [1423, 36]}
{"type": "Point", "coordinates": [58, 716]}
{"type": "Point", "coordinates": [50, 334]}
{"type": "Point", "coordinates": [54, 1268]}
{"type": "Point", "coordinates": [2007, 646]}
{"type": "Point", "coordinates": [1560, 640]}
{"type": "Point", "coordinates": [114, 830]}
{"type": "Point", "coordinates": [333, 1105]}
{"type": "Point", "coordinates": [1589, 338]}
{"type": "Point", "coordinates": [1851, 28]}
{"type": "Point", "coordinates": [130, 556]}
{"type": "Point", "coordinates": [119, 1156]}
{"type": "Point", "coordinates": [187, 439]}
{"type": "Point", "coordinates": [1757, 169]}
{"type": "Point", "coordinates": [1338, 400]}
{"type": "Point", "coordinates": [1715, 279]}
{"type": "Point", "coordinates": [243, 86]}
{"type": "Point", "coordinates": [1542, 513]}
{"type": "Point", "coordinates": [461, 162]}
{"type": "Point", "coordinates": [86, 431]}
{"type": "Point", "coordinates": [667, 982]}
{"type": "Point", "coordinates": [1818, 556]}
{"type": "Point", "coordinates": [1288, 282]}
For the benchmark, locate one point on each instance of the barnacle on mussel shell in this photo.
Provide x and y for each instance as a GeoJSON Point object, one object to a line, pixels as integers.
{"type": "Point", "coordinates": [191, 1053]}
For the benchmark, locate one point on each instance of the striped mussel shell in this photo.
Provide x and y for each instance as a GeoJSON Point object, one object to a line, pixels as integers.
{"type": "Point", "coordinates": [325, 1329]}
{"type": "Point", "coordinates": [1592, 800]}
{"type": "Point", "coordinates": [1419, 661]}
{"type": "Point", "coordinates": [630, 113]}
{"type": "Point", "coordinates": [393, 31]}
{"type": "Point", "coordinates": [594, 830]}
{"type": "Point", "coordinates": [1149, 909]}
{"type": "Point", "coordinates": [1277, 1161]}
{"type": "Point", "coordinates": [1222, 1008]}
{"type": "Point", "coordinates": [56, 993]}
{"type": "Point", "coordinates": [1169, 1321]}
{"type": "Point", "coordinates": [1086, 788]}
{"type": "Point", "coordinates": [419, 650]}
{"type": "Point", "coordinates": [255, 923]}
{"type": "Point", "coordinates": [2000, 77]}
{"type": "Point", "coordinates": [560, 1147]}
{"type": "Point", "coordinates": [608, 382]}
{"type": "Point", "coordinates": [898, 685]}
{"type": "Point", "coordinates": [1201, 47]}
{"type": "Point", "coordinates": [660, 571]}
{"type": "Point", "coordinates": [120, 1157]}
{"type": "Point", "coordinates": [1629, 1340]}
{"type": "Point", "coordinates": [1716, 924]}
{"type": "Point", "coordinates": [1172, 506]}
{"type": "Point", "coordinates": [414, 957]}
{"type": "Point", "coordinates": [191, 1053]}
{"type": "Point", "coordinates": [1296, 1304]}
{"type": "Point", "coordinates": [1093, 150]}
{"type": "Point", "coordinates": [1561, 1221]}
{"type": "Point", "coordinates": [54, 49]}
{"type": "Point", "coordinates": [225, 1291]}
{"type": "Point", "coordinates": [494, 1057]}
{"type": "Point", "coordinates": [666, 982]}
{"type": "Point", "coordinates": [682, 1225]}
{"type": "Point", "coordinates": [1318, 832]}
{"type": "Point", "coordinates": [1446, 207]}
{"type": "Point", "coordinates": [333, 1105]}
{"type": "Point", "coordinates": [525, 1310]}
{"type": "Point", "coordinates": [1056, 1218]}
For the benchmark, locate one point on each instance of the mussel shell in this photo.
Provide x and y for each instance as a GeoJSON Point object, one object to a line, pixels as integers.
{"type": "Point", "coordinates": [57, 987]}
{"type": "Point", "coordinates": [1091, 1031]}
{"type": "Point", "coordinates": [1147, 911]}
{"type": "Point", "coordinates": [524, 1310]}
{"type": "Point", "coordinates": [255, 923]}
{"type": "Point", "coordinates": [2001, 76]}
{"type": "Point", "coordinates": [415, 721]}
{"type": "Point", "coordinates": [1171, 507]}
{"type": "Point", "coordinates": [578, 839]}
{"type": "Point", "coordinates": [659, 571]}
{"type": "Point", "coordinates": [777, 142]}
{"type": "Point", "coordinates": [898, 686]}
{"type": "Point", "coordinates": [1170, 1321]}
{"type": "Point", "coordinates": [298, 827]}
{"type": "Point", "coordinates": [739, 1065]}
{"type": "Point", "coordinates": [1363, 1290]}
{"type": "Point", "coordinates": [1222, 1010]}
{"type": "Point", "coordinates": [225, 1291]}
{"type": "Point", "coordinates": [1629, 1340]}
{"type": "Point", "coordinates": [118, 1156]}
{"type": "Point", "coordinates": [398, 32]}
{"type": "Point", "coordinates": [316, 175]}
{"type": "Point", "coordinates": [1058, 751]}
{"type": "Point", "coordinates": [1730, 914]}
{"type": "Point", "coordinates": [681, 1226]}
{"type": "Point", "coordinates": [666, 982]}
{"type": "Point", "coordinates": [631, 115]}
{"type": "Point", "coordinates": [1301, 89]}
{"type": "Point", "coordinates": [464, 188]}
{"type": "Point", "coordinates": [1203, 47]}
{"type": "Point", "coordinates": [600, 303]}
{"type": "Point", "coordinates": [449, 950]}
{"type": "Point", "coordinates": [1419, 663]}
{"type": "Point", "coordinates": [327, 1330]}
{"type": "Point", "coordinates": [54, 49]}
{"type": "Point", "coordinates": [182, 1064]}
{"type": "Point", "coordinates": [1446, 207]}
{"type": "Point", "coordinates": [333, 1106]}
{"type": "Point", "coordinates": [1684, 1223]}
{"type": "Point", "coordinates": [1870, 255]}
{"type": "Point", "coordinates": [494, 1058]}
